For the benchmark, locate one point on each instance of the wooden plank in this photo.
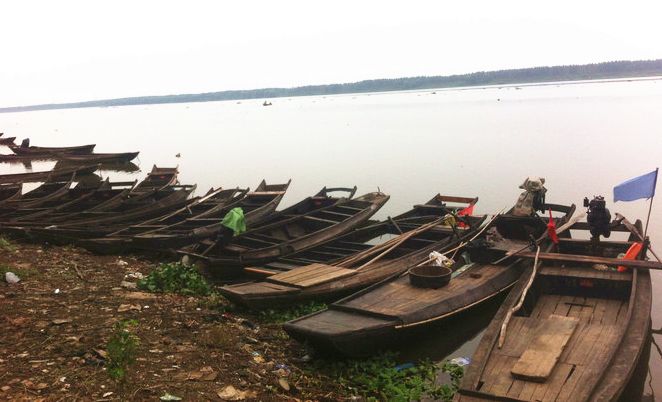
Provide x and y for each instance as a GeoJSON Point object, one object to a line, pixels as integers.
{"type": "Point", "coordinates": [503, 380]}
{"type": "Point", "coordinates": [295, 272]}
{"type": "Point", "coordinates": [311, 275]}
{"type": "Point", "coordinates": [539, 359]}
{"type": "Point", "coordinates": [585, 272]}
{"type": "Point", "coordinates": [552, 388]}
{"type": "Point", "coordinates": [593, 260]}
{"type": "Point", "coordinates": [327, 277]}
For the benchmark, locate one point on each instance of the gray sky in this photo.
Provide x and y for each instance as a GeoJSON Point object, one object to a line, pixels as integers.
{"type": "Point", "coordinates": [60, 51]}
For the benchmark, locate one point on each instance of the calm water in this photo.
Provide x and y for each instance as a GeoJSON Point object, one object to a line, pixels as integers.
{"type": "Point", "coordinates": [582, 138]}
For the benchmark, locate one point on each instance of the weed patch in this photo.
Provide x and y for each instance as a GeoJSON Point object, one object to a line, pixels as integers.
{"type": "Point", "coordinates": [175, 278]}
{"type": "Point", "coordinates": [122, 348]}
{"type": "Point", "coordinates": [446, 392]}
{"type": "Point", "coordinates": [6, 245]}
{"type": "Point", "coordinates": [380, 379]}
{"type": "Point", "coordinates": [277, 316]}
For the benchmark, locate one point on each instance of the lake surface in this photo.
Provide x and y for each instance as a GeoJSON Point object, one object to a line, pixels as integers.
{"type": "Point", "coordinates": [582, 138]}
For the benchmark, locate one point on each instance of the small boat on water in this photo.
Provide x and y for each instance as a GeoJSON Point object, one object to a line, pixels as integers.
{"type": "Point", "coordinates": [48, 175]}
{"type": "Point", "coordinates": [291, 232]}
{"type": "Point", "coordinates": [572, 329]}
{"type": "Point", "coordinates": [25, 149]}
{"type": "Point", "coordinates": [347, 264]}
{"type": "Point", "coordinates": [389, 311]}
{"type": "Point", "coordinates": [122, 157]}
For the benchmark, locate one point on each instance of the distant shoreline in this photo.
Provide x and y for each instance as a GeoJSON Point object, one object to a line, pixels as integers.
{"type": "Point", "coordinates": [557, 75]}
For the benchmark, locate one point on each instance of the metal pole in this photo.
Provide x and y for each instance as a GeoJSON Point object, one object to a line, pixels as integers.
{"type": "Point", "coordinates": [651, 204]}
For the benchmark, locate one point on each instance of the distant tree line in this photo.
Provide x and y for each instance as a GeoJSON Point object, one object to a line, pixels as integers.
{"type": "Point", "coordinates": [612, 69]}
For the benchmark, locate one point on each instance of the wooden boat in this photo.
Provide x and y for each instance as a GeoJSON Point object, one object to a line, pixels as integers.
{"type": "Point", "coordinates": [47, 192]}
{"type": "Point", "coordinates": [205, 227]}
{"type": "Point", "coordinates": [198, 220]}
{"type": "Point", "coordinates": [123, 157]}
{"type": "Point", "coordinates": [127, 167]}
{"type": "Point", "coordinates": [34, 150]}
{"type": "Point", "coordinates": [48, 175]}
{"type": "Point", "coordinates": [158, 177]}
{"type": "Point", "coordinates": [157, 181]}
{"type": "Point", "coordinates": [208, 223]}
{"type": "Point", "coordinates": [9, 192]}
{"type": "Point", "coordinates": [378, 316]}
{"type": "Point", "coordinates": [93, 225]}
{"type": "Point", "coordinates": [579, 332]}
{"type": "Point", "coordinates": [81, 198]}
{"type": "Point", "coordinates": [263, 201]}
{"type": "Point", "coordinates": [158, 203]}
{"type": "Point", "coordinates": [292, 234]}
{"type": "Point", "coordinates": [348, 263]}
{"type": "Point", "coordinates": [199, 208]}
{"type": "Point", "coordinates": [7, 140]}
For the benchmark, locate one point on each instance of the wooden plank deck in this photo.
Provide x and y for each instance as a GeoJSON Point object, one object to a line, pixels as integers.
{"type": "Point", "coordinates": [580, 362]}
{"type": "Point", "coordinates": [399, 298]}
{"type": "Point", "coordinates": [541, 355]}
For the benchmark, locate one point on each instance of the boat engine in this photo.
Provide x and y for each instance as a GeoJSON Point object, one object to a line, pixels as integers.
{"type": "Point", "coordinates": [598, 217]}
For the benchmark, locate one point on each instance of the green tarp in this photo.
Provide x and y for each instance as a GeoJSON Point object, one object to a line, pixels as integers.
{"type": "Point", "coordinates": [235, 220]}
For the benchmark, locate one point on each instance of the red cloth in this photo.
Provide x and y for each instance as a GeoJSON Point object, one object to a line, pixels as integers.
{"type": "Point", "coordinates": [465, 212]}
{"type": "Point", "coordinates": [551, 229]}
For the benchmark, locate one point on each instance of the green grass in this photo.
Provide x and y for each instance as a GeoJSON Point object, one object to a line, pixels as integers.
{"type": "Point", "coordinates": [122, 348]}
{"type": "Point", "coordinates": [175, 278]}
{"type": "Point", "coordinates": [6, 245]}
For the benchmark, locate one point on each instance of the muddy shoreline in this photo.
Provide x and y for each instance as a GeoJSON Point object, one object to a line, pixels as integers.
{"type": "Point", "coordinates": [57, 320]}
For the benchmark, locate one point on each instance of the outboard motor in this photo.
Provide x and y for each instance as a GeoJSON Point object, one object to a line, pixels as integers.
{"type": "Point", "coordinates": [598, 217]}
{"type": "Point", "coordinates": [25, 143]}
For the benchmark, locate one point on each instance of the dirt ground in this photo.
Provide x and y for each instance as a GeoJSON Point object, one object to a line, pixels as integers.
{"type": "Point", "coordinates": [55, 324]}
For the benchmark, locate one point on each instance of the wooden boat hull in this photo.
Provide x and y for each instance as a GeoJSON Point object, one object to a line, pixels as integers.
{"type": "Point", "coordinates": [416, 248]}
{"type": "Point", "coordinates": [395, 306]}
{"type": "Point", "coordinates": [32, 150]}
{"type": "Point", "coordinates": [50, 175]}
{"type": "Point", "coordinates": [100, 158]}
{"type": "Point", "coordinates": [194, 222]}
{"type": "Point", "coordinates": [9, 193]}
{"type": "Point", "coordinates": [594, 362]}
{"type": "Point", "coordinates": [45, 193]}
{"type": "Point", "coordinates": [7, 140]}
{"type": "Point", "coordinates": [299, 243]}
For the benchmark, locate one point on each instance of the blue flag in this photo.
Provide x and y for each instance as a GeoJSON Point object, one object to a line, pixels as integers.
{"type": "Point", "coordinates": [637, 188]}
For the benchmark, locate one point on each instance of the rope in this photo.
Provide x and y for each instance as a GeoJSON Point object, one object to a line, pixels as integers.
{"type": "Point", "coordinates": [487, 225]}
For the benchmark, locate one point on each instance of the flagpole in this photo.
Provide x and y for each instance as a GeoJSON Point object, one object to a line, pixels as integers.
{"type": "Point", "coordinates": [650, 206]}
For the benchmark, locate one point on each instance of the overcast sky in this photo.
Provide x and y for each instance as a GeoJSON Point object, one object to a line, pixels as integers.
{"type": "Point", "coordinates": [61, 51]}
